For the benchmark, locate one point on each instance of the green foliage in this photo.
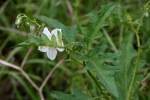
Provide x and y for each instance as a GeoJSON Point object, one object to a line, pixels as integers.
{"type": "Point", "coordinates": [107, 48]}
{"type": "Point", "coordinates": [76, 95]}
{"type": "Point", "coordinates": [68, 32]}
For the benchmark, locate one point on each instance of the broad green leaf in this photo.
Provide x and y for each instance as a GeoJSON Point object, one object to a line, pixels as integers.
{"type": "Point", "coordinates": [125, 64]}
{"type": "Point", "coordinates": [105, 77]}
{"type": "Point", "coordinates": [76, 95]}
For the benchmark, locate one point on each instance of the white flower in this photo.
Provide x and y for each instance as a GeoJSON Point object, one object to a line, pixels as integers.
{"type": "Point", "coordinates": [55, 37]}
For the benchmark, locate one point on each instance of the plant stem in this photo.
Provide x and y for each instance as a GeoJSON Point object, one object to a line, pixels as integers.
{"type": "Point", "coordinates": [136, 31]}
{"type": "Point", "coordinates": [129, 94]}
{"type": "Point", "coordinates": [26, 57]}
{"type": "Point", "coordinates": [29, 79]}
{"type": "Point", "coordinates": [25, 75]}
{"type": "Point", "coordinates": [2, 62]}
{"type": "Point", "coordinates": [41, 95]}
{"type": "Point", "coordinates": [11, 30]}
{"type": "Point", "coordinates": [48, 77]}
{"type": "Point", "coordinates": [110, 41]}
{"type": "Point", "coordinates": [21, 71]}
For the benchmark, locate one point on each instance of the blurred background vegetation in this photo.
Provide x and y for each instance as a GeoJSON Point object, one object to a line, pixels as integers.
{"type": "Point", "coordinates": [109, 62]}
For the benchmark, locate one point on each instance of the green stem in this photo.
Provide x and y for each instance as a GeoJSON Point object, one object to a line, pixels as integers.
{"type": "Point", "coordinates": [110, 40]}
{"type": "Point", "coordinates": [129, 93]}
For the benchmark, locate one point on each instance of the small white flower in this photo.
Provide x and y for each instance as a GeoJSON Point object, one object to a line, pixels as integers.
{"type": "Point", "coordinates": [51, 50]}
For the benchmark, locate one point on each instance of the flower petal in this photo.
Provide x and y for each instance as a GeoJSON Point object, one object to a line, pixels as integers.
{"type": "Point", "coordinates": [43, 48]}
{"type": "Point", "coordinates": [55, 32]}
{"type": "Point", "coordinates": [61, 49]}
{"type": "Point", "coordinates": [47, 33]}
{"type": "Point", "coordinates": [51, 53]}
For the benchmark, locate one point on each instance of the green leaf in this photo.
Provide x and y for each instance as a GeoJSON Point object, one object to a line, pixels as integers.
{"type": "Point", "coordinates": [105, 12]}
{"type": "Point", "coordinates": [76, 95]}
{"type": "Point", "coordinates": [34, 40]}
{"type": "Point", "coordinates": [105, 77]}
{"type": "Point", "coordinates": [125, 63]}
{"type": "Point", "coordinates": [67, 32]}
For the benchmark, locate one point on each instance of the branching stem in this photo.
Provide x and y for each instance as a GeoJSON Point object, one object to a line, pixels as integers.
{"type": "Point", "coordinates": [39, 89]}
